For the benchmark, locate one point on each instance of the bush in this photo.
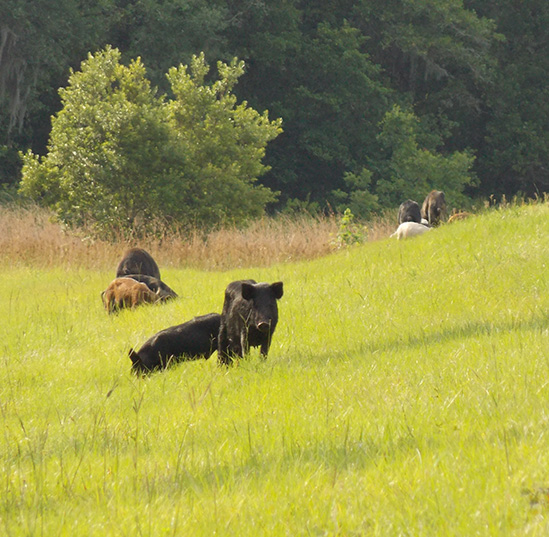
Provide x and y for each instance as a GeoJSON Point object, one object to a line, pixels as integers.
{"type": "Point", "coordinates": [412, 171]}
{"type": "Point", "coordinates": [349, 233]}
{"type": "Point", "coordinates": [119, 156]}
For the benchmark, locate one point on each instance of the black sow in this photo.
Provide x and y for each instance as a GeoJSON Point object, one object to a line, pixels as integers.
{"type": "Point", "coordinates": [249, 318]}
{"type": "Point", "coordinates": [194, 339]}
{"type": "Point", "coordinates": [137, 261]}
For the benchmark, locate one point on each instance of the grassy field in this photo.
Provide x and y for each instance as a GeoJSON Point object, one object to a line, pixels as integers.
{"type": "Point", "coordinates": [406, 393]}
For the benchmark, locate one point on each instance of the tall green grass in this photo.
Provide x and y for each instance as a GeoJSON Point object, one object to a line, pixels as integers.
{"type": "Point", "coordinates": [406, 393]}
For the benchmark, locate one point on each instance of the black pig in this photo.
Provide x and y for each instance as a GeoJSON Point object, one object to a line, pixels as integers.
{"type": "Point", "coordinates": [137, 261]}
{"type": "Point", "coordinates": [249, 318]}
{"type": "Point", "coordinates": [194, 339]}
{"type": "Point", "coordinates": [163, 291]}
{"type": "Point", "coordinates": [409, 211]}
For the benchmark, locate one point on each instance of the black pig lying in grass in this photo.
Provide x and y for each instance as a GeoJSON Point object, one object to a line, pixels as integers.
{"type": "Point", "coordinates": [137, 261]}
{"type": "Point", "coordinates": [194, 339]}
{"type": "Point", "coordinates": [249, 318]}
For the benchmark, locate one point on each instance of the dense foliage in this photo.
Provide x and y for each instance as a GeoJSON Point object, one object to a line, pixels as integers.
{"type": "Point", "coordinates": [119, 156]}
{"type": "Point", "coordinates": [471, 75]}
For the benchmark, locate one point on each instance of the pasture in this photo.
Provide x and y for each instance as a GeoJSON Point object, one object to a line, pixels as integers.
{"type": "Point", "coordinates": [406, 393]}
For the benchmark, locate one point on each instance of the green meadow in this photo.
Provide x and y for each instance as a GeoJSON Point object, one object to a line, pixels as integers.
{"type": "Point", "coordinates": [406, 393]}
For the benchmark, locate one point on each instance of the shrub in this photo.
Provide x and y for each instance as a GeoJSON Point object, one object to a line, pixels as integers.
{"type": "Point", "coordinates": [120, 156]}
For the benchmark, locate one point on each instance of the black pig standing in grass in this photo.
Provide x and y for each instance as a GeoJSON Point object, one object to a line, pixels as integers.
{"type": "Point", "coordinates": [249, 318]}
{"type": "Point", "coordinates": [194, 339]}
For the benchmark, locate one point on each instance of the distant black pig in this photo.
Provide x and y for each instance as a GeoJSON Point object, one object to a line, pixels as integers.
{"type": "Point", "coordinates": [194, 339]}
{"type": "Point", "coordinates": [249, 318]}
{"type": "Point", "coordinates": [409, 211]}
{"type": "Point", "coordinates": [137, 261]}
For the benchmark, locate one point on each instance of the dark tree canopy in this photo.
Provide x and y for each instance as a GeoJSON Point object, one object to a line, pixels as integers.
{"type": "Point", "coordinates": [471, 77]}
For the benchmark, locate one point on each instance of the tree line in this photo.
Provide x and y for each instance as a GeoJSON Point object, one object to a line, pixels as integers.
{"type": "Point", "coordinates": [379, 101]}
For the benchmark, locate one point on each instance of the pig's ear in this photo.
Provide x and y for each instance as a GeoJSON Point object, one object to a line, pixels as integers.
{"type": "Point", "coordinates": [134, 357]}
{"type": "Point", "coordinates": [248, 291]}
{"type": "Point", "coordinates": [278, 289]}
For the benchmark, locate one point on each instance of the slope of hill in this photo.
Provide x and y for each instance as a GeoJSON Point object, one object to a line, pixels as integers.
{"type": "Point", "coordinates": [406, 393]}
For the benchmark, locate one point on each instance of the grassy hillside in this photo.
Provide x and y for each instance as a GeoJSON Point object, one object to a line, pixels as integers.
{"type": "Point", "coordinates": [406, 393]}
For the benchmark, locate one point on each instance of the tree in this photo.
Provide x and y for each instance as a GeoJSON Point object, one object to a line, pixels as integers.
{"type": "Point", "coordinates": [165, 33]}
{"type": "Point", "coordinates": [119, 156]}
{"type": "Point", "coordinates": [333, 70]}
{"type": "Point", "coordinates": [223, 144]}
{"type": "Point", "coordinates": [358, 197]}
{"type": "Point", "coordinates": [321, 80]}
{"type": "Point", "coordinates": [514, 154]}
{"type": "Point", "coordinates": [37, 46]}
{"type": "Point", "coordinates": [409, 169]}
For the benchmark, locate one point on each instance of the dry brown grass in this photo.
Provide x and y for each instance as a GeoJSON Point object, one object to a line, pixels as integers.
{"type": "Point", "coordinates": [31, 237]}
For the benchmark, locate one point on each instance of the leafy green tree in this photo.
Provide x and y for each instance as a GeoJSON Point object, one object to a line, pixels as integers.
{"type": "Point", "coordinates": [321, 80]}
{"type": "Point", "coordinates": [165, 33]}
{"type": "Point", "coordinates": [514, 153]}
{"type": "Point", "coordinates": [339, 100]}
{"type": "Point", "coordinates": [358, 196]}
{"type": "Point", "coordinates": [109, 147]}
{"type": "Point", "coordinates": [411, 170]}
{"type": "Point", "coordinates": [332, 71]}
{"type": "Point", "coordinates": [120, 156]}
{"type": "Point", "coordinates": [38, 43]}
{"type": "Point", "coordinates": [223, 144]}
{"type": "Point", "coordinates": [438, 55]}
